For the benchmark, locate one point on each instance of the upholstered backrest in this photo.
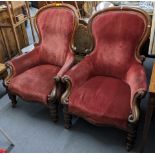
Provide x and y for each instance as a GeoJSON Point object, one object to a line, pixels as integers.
{"type": "Point", "coordinates": [56, 25]}
{"type": "Point", "coordinates": [117, 34]}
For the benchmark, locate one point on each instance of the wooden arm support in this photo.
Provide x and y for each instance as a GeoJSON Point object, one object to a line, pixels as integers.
{"type": "Point", "coordinates": [134, 116]}
{"type": "Point", "coordinates": [55, 92]}
{"type": "Point", "coordinates": [64, 98]}
{"type": "Point", "coordinates": [8, 74]}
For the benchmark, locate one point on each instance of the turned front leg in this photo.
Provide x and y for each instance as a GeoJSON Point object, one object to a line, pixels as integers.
{"type": "Point", "coordinates": [67, 117]}
{"type": "Point", "coordinates": [54, 111]}
{"type": "Point", "coordinates": [12, 97]}
{"type": "Point", "coordinates": [131, 136]}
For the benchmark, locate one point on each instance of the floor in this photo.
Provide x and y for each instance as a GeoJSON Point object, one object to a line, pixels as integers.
{"type": "Point", "coordinates": [31, 129]}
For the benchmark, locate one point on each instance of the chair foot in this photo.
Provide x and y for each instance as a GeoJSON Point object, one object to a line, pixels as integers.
{"type": "Point", "coordinates": [67, 118]}
{"type": "Point", "coordinates": [67, 121]}
{"type": "Point", "coordinates": [131, 136]}
{"type": "Point", "coordinates": [13, 99]}
{"type": "Point", "coordinates": [54, 112]}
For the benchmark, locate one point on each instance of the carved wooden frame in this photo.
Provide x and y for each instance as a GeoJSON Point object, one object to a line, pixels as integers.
{"type": "Point", "coordinates": [54, 96]}
{"type": "Point", "coordinates": [135, 114]}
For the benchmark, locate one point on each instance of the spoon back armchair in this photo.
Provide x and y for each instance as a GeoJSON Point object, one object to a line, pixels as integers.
{"type": "Point", "coordinates": [32, 74]}
{"type": "Point", "coordinates": [105, 88]}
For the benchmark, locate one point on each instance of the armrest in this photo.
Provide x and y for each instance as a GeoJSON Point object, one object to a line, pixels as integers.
{"type": "Point", "coordinates": [56, 91]}
{"type": "Point", "coordinates": [136, 79]}
{"type": "Point", "coordinates": [68, 64]}
{"type": "Point", "coordinates": [76, 76]}
{"type": "Point", "coordinates": [80, 72]}
{"type": "Point", "coordinates": [24, 62]}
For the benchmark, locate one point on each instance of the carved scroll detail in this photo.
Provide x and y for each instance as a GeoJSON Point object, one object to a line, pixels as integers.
{"type": "Point", "coordinates": [134, 116]}
{"type": "Point", "coordinates": [65, 96]}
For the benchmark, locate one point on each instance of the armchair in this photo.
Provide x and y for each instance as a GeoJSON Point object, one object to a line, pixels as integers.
{"type": "Point", "coordinates": [35, 76]}
{"type": "Point", "coordinates": [105, 88]}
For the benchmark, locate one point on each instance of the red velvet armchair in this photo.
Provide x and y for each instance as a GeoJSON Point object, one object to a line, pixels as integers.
{"type": "Point", "coordinates": [106, 87]}
{"type": "Point", "coordinates": [32, 75]}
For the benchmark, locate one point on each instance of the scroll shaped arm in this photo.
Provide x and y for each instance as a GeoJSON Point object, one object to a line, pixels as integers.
{"type": "Point", "coordinates": [56, 91]}
{"type": "Point", "coordinates": [9, 75]}
{"type": "Point", "coordinates": [136, 79]}
{"type": "Point", "coordinates": [75, 77]}
{"type": "Point", "coordinates": [24, 62]}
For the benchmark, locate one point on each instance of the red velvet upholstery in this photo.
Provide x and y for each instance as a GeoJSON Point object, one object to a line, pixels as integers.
{"type": "Point", "coordinates": [24, 62]}
{"type": "Point", "coordinates": [33, 72]}
{"type": "Point", "coordinates": [56, 35]}
{"type": "Point", "coordinates": [34, 84]}
{"type": "Point", "coordinates": [102, 100]}
{"type": "Point", "coordinates": [105, 82]}
{"type": "Point", "coordinates": [116, 41]}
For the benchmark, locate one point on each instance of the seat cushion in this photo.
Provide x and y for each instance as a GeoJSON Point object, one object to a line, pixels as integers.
{"type": "Point", "coordinates": [102, 100]}
{"type": "Point", "coordinates": [34, 84]}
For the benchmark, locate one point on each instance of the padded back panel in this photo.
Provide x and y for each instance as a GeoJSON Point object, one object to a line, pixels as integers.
{"type": "Point", "coordinates": [56, 26]}
{"type": "Point", "coordinates": [117, 35]}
